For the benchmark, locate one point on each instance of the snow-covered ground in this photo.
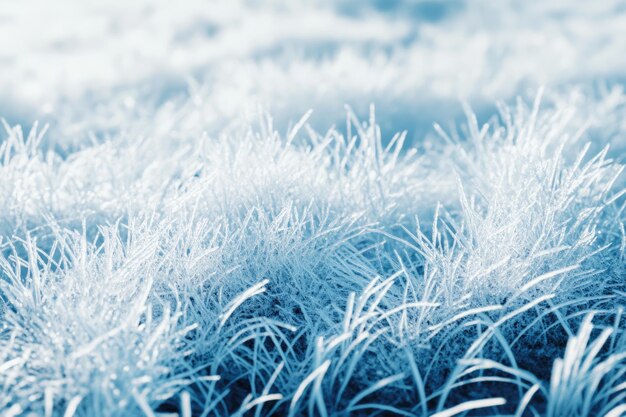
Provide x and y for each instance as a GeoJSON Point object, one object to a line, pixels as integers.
{"type": "Point", "coordinates": [187, 237]}
{"type": "Point", "coordinates": [89, 66]}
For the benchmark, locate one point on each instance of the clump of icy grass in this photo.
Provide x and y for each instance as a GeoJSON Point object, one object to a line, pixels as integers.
{"type": "Point", "coordinates": [315, 274]}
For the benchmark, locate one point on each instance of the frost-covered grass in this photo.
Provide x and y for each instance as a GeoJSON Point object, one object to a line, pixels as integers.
{"type": "Point", "coordinates": [344, 273]}
{"type": "Point", "coordinates": [179, 235]}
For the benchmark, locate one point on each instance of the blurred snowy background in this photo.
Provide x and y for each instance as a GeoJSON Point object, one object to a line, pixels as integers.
{"type": "Point", "coordinates": [90, 67]}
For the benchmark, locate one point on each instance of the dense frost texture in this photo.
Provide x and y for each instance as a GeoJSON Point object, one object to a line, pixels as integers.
{"type": "Point", "coordinates": [442, 235]}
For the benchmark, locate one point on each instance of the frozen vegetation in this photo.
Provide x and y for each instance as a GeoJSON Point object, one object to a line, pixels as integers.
{"type": "Point", "coordinates": [180, 235]}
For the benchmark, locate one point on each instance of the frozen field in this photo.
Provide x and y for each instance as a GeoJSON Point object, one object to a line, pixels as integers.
{"type": "Point", "coordinates": [312, 208]}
